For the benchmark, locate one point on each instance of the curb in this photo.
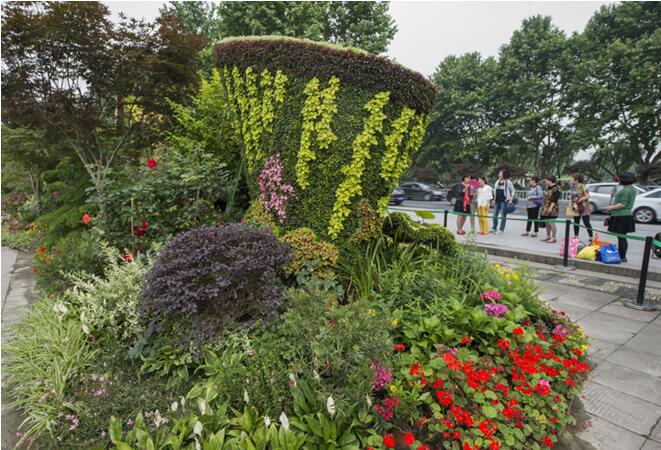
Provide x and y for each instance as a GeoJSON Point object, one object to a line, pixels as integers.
{"type": "Point", "coordinates": [611, 269]}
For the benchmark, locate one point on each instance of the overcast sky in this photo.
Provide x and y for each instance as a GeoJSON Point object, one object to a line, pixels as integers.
{"type": "Point", "coordinates": [430, 31]}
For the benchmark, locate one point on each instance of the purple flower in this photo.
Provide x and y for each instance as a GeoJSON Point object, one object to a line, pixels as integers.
{"type": "Point", "coordinates": [495, 309]}
{"type": "Point", "coordinates": [561, 330]}
{"type": "Point", "coordinates": [273, 192]}
{"type": "Point", "coordinates": [382, 377]}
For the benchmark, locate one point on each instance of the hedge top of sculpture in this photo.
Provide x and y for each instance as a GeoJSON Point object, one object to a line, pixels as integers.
{"type": "Point", "coordinates": [326, 131]}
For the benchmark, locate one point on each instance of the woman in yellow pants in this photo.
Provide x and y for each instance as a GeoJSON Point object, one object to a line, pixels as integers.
{"type": "Point", "coordinates": [484, 198]}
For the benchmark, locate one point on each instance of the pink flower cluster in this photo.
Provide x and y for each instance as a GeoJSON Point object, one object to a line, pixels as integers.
{"type": "Point", "coordinates": [273, 191]}
{"type": "Point", "coordinates": [495, 309]}
{"type": "Point", "coordinates": [560, 330]}
{"type": "Point", "coordinates": [382, 377]}
{"type": "Point", "coordinates": [491, 296]}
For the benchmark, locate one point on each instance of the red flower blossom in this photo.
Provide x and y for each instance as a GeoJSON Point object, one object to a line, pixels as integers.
{"type": "Point", "coordinates": [128, 258]}
{"type": "Point", "coordinates": [35, 270]}
{"type": "Point", "coordinates": [452, 362]}
{"type": "Point", "coordinates": [518, 330]}
{"type": "Point", "coordinates": [151, 164]}
{"type": "Point", "coordinates": [415, 369]}
{"type": "Point", "coordinates": [399, 347]}
{"type": "Point", "coordinates": [389, 441]}
{"type": "Point", "coordinates": [438, 383]}
{"type": "Point", "coordinates": [558, 338]}
{"type": "Point", "coordinates": [423, 447]}
{"type": "Point", "coordinates": [466, 340]}
{"type": "Point", "coordinates": [86, 219]}
{"type": "Point", "coordinates": [444, 397]}
{"type": "Point", "coordinates": [40, 250]}
{"type": "Point", "coordinates": [548, 442]}
{"type": "Point", "coordinates": [495, 445]}
{"type": "Point", "coordinates": [504, 343]}
{"type": "Point", "coordinates": [569, 382]}
{"type": "Point", "coordinates": [409, 439]}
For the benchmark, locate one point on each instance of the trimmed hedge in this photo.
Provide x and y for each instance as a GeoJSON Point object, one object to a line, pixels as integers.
{"type": "Point", "coordinates": [340, 126]}
{"type": "Point", "coordinates": [402, 228]}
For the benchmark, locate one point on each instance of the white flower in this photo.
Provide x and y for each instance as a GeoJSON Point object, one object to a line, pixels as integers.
{"type": "Point", "coordinates": [174, 406]}
{"type": "Point", "coordinates": [292, 380]}
{"type": "Point", "coordinates": [284, 420]}
{"type": "Point", "coordinates": [245, 396]}
{"type": "Point", "coordinates": [197, 429]}
{"type": "Point", "coordinates": [369, 401]}
{"type": "Point", "coordinates": [330, 405]}
{"type": "Point", "coordinates": [267, 421]}
{"type": "Point", "coordinates": [158, 419]}
{"type": "Point", "coordinates": [315, 375]}
{"type": "Point", "coordinates": [86, 329]}
{"type": "Point", "coordinates": [60, 308]}
{"type": "Point", "coordinates": [202, 404]}
{"type": "Point", "coordinates": [197, 445]}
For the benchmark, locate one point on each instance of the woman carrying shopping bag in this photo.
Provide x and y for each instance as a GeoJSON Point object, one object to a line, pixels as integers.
{"type": "Point", "coordinates": [621, 217]}
{"type": "Point", "coordinates": [581, 204]}
{"type": "Point", "coordinates": [484, 198]}
{"type": "Point", "coordinates": [550, 207]}
{"type": "Point", "coordinates": [535, 199]}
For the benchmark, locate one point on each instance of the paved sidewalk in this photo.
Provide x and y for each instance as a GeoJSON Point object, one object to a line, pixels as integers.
{"type": "Point", "coordinates": [623, 394]}
{"type": "Point", "coordinates": [18, 294]}
{"type": "Point", "coordinates": [512, 239]}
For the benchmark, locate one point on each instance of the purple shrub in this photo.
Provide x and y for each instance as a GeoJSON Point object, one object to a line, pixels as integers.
{"type": "Point", "coordinates": [215, 276]}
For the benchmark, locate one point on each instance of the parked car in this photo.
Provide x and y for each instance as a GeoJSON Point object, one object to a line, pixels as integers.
{"type": "Point", "coordinates": [600, 194]}
{"type": "Point", "coordinates": [397, 197]}
{"type": "Point", "coordinates": [414, 190]}
{"type": "Point", "coordinates": [651, 187]}
{"type": "Point", "coordinates": [647, 207]}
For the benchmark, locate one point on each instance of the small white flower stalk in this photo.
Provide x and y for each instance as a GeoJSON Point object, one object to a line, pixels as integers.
{"type": "Point", "coordinates": [246, 398]}
{"type": "Point", "coordinates": [174, 406]}
{"type": "Point", "coordinates": [330, 405]}
{"type": "Point", "coordinates": [369, 400]}
{"type": "Point", "coordinates": [267, 421]}
{"type": "Point", "coordinates": [292, 380]}
{"type": "Point", "coordinates": [316, 376]}
{"type": "Point", "coordinates": [197, 429]}
{"type": "Point", "coordinates": [60, 308]}
{"type": "Point", "coordinates": [284, 420]}
{"type": "Point", "coordinates": [86, 329]}
{"type": "Point", "coordinates": [202, 405]}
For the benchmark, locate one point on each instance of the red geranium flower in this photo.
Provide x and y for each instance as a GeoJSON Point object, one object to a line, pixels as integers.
{"type": "Point", "coordinates": [423, 447]}
{"type": "Point", "coordinates": [399, 347]}
{"type": "Point", "coordinates": [409, 439]}
{"type": "Point", "coordinates": [503, 343]}
{"type": "Point", "coordinates": [466, 340]}
{"type": "Point", "coordinates": [517, 330]}
{"type": "Point", "coordinates": [128, 258]}
{"type": "Point", "coordinates": [389, 441]}
{"type": "Point", "coordinates": [415, 369]}
{"type": "Point", "coordinates": [151, 164]}
{"type": "Point", "coordinates": [86, 219]}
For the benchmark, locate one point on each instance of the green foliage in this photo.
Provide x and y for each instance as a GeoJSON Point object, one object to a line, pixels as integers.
{"type": "Point", "coordinates": [18, 239]}
{"type": "Point", "coordinates": [43, 362]}
{"type": "Point", "coordinates": [108, 305]}
{"type": "Point", "coordinates": [185, 190]}
{"type": "Point", "coordinates": [78, 253]}
{"type": "Point", "coordinates": [309, 250]}
{"type": "Point", "coordinates": [402, 228]}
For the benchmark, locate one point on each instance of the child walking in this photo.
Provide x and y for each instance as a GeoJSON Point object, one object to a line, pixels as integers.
{"type": "Point", "coordinates": [484, 198]}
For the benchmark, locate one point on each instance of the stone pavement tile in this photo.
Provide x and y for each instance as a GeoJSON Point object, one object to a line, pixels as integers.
{"type": "Point", "coordinates": [618, 309]}
{"type": "Point", "coordinates": [575, 313]}
{"type": "Point", "coordinates": [551, 291]}
{"type": "Point", "coordinates": [656, 432]}
{"type": "Point", "coordinates": [607, 436]}
{"type": "Point", "coordinates": [586, 299]}
{"type": "Point", "coordinates": [598, 331]}
{"type": "Point", "coordinates": [648, 340]}
{"type": "Point", "coordinates": [635, 359]}
{"type": "Point", "coordinates": [633, 382]}
{"type": "Point", "coordinates": [651, 445]}
{"type": "Point", "coordinates": [600, 350]}
{"type": "Point", "coordinates": [614, 406]}
{"type": "Point", "coordinates": [612, 322]}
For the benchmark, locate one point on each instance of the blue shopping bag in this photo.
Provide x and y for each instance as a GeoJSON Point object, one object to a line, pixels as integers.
{"type": "Point", "coordinates": [609, 254]}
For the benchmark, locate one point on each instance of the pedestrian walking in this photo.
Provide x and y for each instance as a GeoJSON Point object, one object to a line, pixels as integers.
{"type": "Point", "coordinates": [474, 185]}
{"type": "Point", "coordinates": [484, 199]}
{"type": "Point", "coordinates": [621, 217]}
{"type": "Point", "coordinates": [504, 195]}
{"type": "Point", "coordinates": [580, 202]}
{"type": "Point", "coordinates": [535, 199]}
{"type": "Point", "coordinates": [462, 204]}
{"type": "Point", "coordinates": [550, 207]}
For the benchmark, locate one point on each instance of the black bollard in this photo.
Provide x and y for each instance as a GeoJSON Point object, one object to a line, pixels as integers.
{"type": "Point", "coordinates": [640, 302]}
{"type": "Point", "coordinates": [445, 218]}
{"type": "Point", "coordinates": [565, 261]}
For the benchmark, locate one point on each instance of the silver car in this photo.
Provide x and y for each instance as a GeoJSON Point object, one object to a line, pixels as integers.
{"type": "Point", "coordinates": [600, 194]}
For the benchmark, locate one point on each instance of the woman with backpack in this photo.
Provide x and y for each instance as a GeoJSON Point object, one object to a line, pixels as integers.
{"type": "Point", "coordinates": [535, 199]}
{"type": "Point", "coordinates": [550, 207]}
{"type": "Point", "coordinates": [504, 195]}
{"type": "Point", "coordinates": [580, 201]}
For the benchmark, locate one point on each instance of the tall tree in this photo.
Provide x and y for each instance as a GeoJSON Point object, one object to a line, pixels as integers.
{"type": "Point", "coordinates": [529, 86]}
{"type": "Point", "coordinates": [615, 89]}
{"type": "Point", "coordinates": [462, 113]}
{"type": "Point", "coordinates": [100, 87]}
{"type": "Point", "coordinates": [197, 17]}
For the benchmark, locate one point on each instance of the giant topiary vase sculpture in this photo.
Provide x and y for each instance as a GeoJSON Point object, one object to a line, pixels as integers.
{"type": "Point", "coordinates": [323, 128]}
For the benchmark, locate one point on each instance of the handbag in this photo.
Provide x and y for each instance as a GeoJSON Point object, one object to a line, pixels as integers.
{"type": "Point", "coordinates": [609, 254]}
{"type": "Point", "coordinates": [510, 208]}
{"type": "Point", "coordinates": [607, 221]}
{"type": "Point", "coordinates": [538, 201]}
{"type": "Point", "coordinates": [573, 247]}
{"type": "Point", "coordinates": [570, 212]}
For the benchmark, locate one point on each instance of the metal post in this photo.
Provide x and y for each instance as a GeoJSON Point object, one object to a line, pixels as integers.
{"type": "Point", "coordinates": [640, 302]}
{"type": "Point", "coordinates": [565, 260]}
{"type": "Point", "coordinates": [445, 218]}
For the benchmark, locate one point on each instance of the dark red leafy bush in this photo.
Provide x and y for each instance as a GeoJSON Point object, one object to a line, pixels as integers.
{"type": "Point", "coordinates": [215, 276]}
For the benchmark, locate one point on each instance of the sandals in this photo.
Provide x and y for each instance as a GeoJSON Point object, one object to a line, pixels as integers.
{"type": "Point", "coordinates": [551, 241]}
{"type": "Point", "coordinates": [546, 239]}
{"type": "Point", "coordinates": [525, 234]}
